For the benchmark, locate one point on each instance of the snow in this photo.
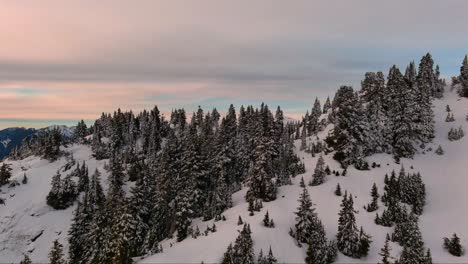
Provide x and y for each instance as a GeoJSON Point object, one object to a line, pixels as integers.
{"type": "Point", "coordinates": [444, 177]}
{"type": "Point", "coordinates": [5, 142]}
{"type": "Point", "coordinates": [26, 213]}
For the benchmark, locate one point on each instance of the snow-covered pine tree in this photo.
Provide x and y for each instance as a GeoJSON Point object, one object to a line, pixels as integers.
{"type": "Point", "coordinates": [56, 253]}
{"type": "Point", "coordinates": [453, 246]}
{"type": "Point", "coordinates": [83, 177]}
{"type": "Point", "coordinates": [266, 220]}
{"type": "Point", "coordinates": [327, 105]}
{"type": "Point", "coordinates": [95, 194]}
{"type": "Point", "coordinates": [54, 196]}
{"type": "Point", "coordinates": [5, 174]}
{"type": "Point", "coordinates": [464, 77]}
{"type": "Point", "coordinates": [351, 133]}
{"type": "Point", "coordinates": [338, 190]}
{"type": "Point", "coordinates": [319, 173]}
{"type": "Point", "coordinates": [373, 206]}
{"type": "Point", "coordinates": [77, 234]}
{"type": "Point", "coordinates": [309, 229]}
{"type": "Point", "coordinates": [401, 114]}
{"type": "Point", "coordinates": [243, 247]}
{"type": "Point", "coordinates": [426, 85]}
{"type": "Point", "coordinates": [25, 260]}
{"type": "Point", "coordinates": [239, 221]}
{"type": "Point", "coordinates": [306, 218]}
{"type": "Point", "coordinates": [375, 94]}
{"type": "Point", "coordinates": [25, 179]}
{"type": "Point", "coordinates": [350, 241]}
{"type": "Point", "coordinates": [439, 151]}
{"type": "Point", "coordinates": [81, 131]}
{"type": "Point", "coordinates": [140, 206]}
{"type": "Point", "coordinates": [260, 176]}
{"type": "Point", "coordinates": [385, 251]}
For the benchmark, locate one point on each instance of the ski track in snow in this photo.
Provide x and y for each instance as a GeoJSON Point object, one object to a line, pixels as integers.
{"type": "Point", "coordinates": [26, 213]}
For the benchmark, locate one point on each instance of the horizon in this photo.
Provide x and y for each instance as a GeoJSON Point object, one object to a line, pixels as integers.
{"type": "Point", "coordinates": [207, 53]}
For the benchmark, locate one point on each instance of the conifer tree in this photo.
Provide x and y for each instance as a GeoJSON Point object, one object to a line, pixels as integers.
{"type": "Point", "coordinates": [266, 220]}
{"type": "Point", "coordinates": [301, 183]}
{"type": "Point", "coordinates": [54, 196]}
{"type": "Point", "coordinates": [243, 247]}
{"type": "Point", "coordinates": [453, 246]}
{"type": "Point", "coordinates": [26, 260]}
{"type": "Point", "coordinates": [373, 206]}
{"type": "Point", "coordinates": [401, 114]}
{"type": "Point", "coordinates": [375, 94]}
{"type": "Point", "coordinates": [385, 251]}
{"type": "Point", "coordinates": [261, 185]}
{"type": "Point", "coordinates": [239, 221]}
{"type": "Point", "coordinates": [350, 241]}
{"type": "Point", "coordinates": [77, 234]}
{"type": "Point", "coordinates": [25, 179]}
{"type": "Point", "coordinates": [5, 174]}
{"type": "Point", "coordinates": [351, 133]}
{"type": "Point", "coordinates": [83, 177]}
{"type": "Point", "coordinates": [464, 77]}
{"type": "Point", "coordinates": [327, 105]}
{"type": "Point", "coordinates": [426, 86]}
{"type": "Point", "coordinates": [319, 173]}
{"type": "Point", "coordinates": [56, 253]}
{"type": "Point", "coordinates": [95, 197]}
{"type": "Point", "coordinates": [338, 190]}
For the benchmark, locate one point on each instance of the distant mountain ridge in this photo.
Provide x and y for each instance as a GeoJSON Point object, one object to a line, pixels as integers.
{"type": "Point", "coordinates": [12, 137]}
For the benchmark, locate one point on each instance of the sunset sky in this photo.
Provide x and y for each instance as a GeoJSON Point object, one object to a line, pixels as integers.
{"type": "Point", "coordinates": [61, 61]}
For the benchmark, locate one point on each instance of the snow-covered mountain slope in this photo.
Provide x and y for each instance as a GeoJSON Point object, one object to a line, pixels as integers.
{"type": "Point", "coordinates": [27, 223]}
{"type": "Point", "coordinates": [26, 213]}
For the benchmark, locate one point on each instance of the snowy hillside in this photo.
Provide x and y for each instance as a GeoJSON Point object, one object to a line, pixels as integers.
{"type": "Point", "coordinates": [29, 225]}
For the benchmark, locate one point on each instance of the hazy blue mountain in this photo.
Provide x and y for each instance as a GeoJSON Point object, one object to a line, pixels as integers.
{"type": "Point", "coordinates": [12, 137]}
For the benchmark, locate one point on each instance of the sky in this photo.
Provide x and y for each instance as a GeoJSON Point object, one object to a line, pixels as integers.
{"type": "Point", "coordinates": [62, 61]}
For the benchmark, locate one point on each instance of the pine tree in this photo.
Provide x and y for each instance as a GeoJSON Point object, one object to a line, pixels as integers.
{"type": "Point", "coordinates": [373, 206]}
{"type": "Point", "coordinates": [375, 94]}
{"type": "Point", "coordinates": [54, 196]}
{"type": "Point", "coordinates": [270, 259]}
{"type": "Point", "coordinates": [350, 241]}
{"type": "Point", "coordinates": [309, 229]}
{"type": "Point", "coordinates": [5, 174]}
{"type": "Point", "coordinates": [261, 185]}
{"type": "Point", "coordinates": [56, 253]}
{"type": "Point", "coordinates": [25, 260]}
{"type": "Point", "coordinates": [306, 218]}
{"type": "Point", "coordinates": [239, 221]}
{"type": "Point", "coordinates": [453, 245]}
{"type": "Point", "coordinates": [385, 251]}
{"type": "Point", "coordinates": [77, 234]}
{"type": "Point", "coordinates": [426, 86]}
{"type": "Point", "coordinates": [83, 177]}
{"type": "Point", "coordinates": [401, 114]}
{"type": "Point", "coordinates": [266, 220]}
{"type": "Point", "coordinates": [302, 183]}
{"type": "Point", "coordinates": [327, 105]}
{"type": "Point", "coordinates": [95, 197]}
{"type": "Point", "coordinates": [25, 179]}
{"type": "Point", "coordinates": [319, 173]}
{"type": "Point", "coordinates": [351, 133]}
{"type": "Point", "coordinates": [464, 77]}
{"type": "Point", "coordinates": [229, 256]}
{"type": "Point", "coordinates": [80, 131]}
{"type": "Point", "coordinates": [439, 151]}
{"type": "Point", "coordinates": [338, 190]}
{"type": "Point", "coordinates": [243, 247]}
